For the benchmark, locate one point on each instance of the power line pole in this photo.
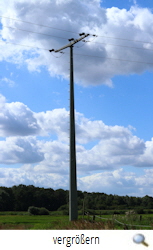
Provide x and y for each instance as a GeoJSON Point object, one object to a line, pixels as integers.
{"type": "Point", "coordinates": [73, 207]}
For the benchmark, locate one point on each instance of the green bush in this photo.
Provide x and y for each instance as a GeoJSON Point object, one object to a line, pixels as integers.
{"type": "Point", "coordinates": [33, 210]}
{"type": "Point", "coordinates": [63, 207]}
{"type": "Point", "coordinates": [43, 211]}
{"type": "Point", "coordinates": [38, 211]}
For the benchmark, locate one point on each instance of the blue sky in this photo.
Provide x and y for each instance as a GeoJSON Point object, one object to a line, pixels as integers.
{"type": "Point", "coordinates": [113, 94]}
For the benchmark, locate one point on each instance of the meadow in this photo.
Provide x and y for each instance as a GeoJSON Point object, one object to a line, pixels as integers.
{"type": "Point", "coordinates": [58, 221]}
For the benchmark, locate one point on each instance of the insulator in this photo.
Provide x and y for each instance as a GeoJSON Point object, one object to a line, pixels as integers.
{"type": "Point", "coordinates": [81, 34]}
{"type": "Point", "coordinates": [70, 39]}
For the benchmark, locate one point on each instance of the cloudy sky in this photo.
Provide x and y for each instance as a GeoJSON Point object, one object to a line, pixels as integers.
{"type": "Point", "coordinates": [113, 94]}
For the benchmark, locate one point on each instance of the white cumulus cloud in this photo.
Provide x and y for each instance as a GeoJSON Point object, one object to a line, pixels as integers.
{"type": "Point", "coordinates": [26, 140]}
{"type": "Point", "coordinates": [111, 54]}
{"type": "Point", "coordinates": [20, 150]}
{"type": "Point", "coordinates": [16, 119]}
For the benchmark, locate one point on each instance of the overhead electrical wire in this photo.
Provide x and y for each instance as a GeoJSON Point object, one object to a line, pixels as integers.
{"type": "Point", "coordinates": [115, 45]}
{"type": "Point", "coordinates": [124, 46]}
{"type": "Point", "coordinates": [117, 38]}
{"type": "Point", "coordinates": [125, 39]}
{"type": "Point", "coordinates": [23, 45]}
{"type": "Point", "coordinates": [50, 27]}
{"type": "Point", "coordinates": [30, 31]}
{"type": "Point", "coordinates": [116, 59]}
{"type": "Point", "coordinates": [109, 58]}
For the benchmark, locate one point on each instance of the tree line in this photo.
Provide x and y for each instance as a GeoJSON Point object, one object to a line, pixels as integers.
{"type": "Point", "coordinates": [21, 197]}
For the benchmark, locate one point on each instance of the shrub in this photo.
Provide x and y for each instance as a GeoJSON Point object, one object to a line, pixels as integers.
{"type": "Point", "coordinates": [38, 211]}
{"type": "Point", "coordinates": [43, 211]}
{"type": "Point", "coordinates": [33, 210]}
{"type": "Point", "coordinates": [63, 207]}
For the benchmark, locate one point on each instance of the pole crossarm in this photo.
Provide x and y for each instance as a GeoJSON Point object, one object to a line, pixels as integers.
{"type": "Point", "coordinates": [71, 43]}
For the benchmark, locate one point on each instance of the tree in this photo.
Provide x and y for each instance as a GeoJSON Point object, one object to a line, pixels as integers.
{"type": "Point", "coordinates": [147, 202]}
{"type": "Point", "coordinates": [6, 199]}
{"type": "Point", "coordinates": [23, 197]}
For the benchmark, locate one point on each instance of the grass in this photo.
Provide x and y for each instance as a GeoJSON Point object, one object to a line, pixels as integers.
{"type": "Point", "coordinates": [134, 221]}
{"type": "Point", "coordinates": [26, 221]}
{"type": "Point", "coordinates": [46, 223]}
{"type": "Point", "coordinates": [23, 221]}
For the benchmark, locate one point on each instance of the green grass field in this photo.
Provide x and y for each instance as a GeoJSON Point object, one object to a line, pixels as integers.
{"type": "Point", "coordinates": [24, 221]}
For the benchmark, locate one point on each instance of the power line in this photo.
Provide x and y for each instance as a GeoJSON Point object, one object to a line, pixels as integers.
{"type": "Point", "coordinates": [109, 58]}
{"type": "Point", "coordinates": [116, 38]}
{"type": "Point", "coordinates": [116, 59]}
{"type": "Point", "coordinates": [23, 45]}
{"type": "Point", "coordinates": [125, 39]}
{"type": "Point", "coordinates": [122, 46]}
{"type": "Point", "coordinates": [50, 27]}
{"type": "Point", "coordinates": [30, 31]}
{"type": "Point", "coordinates": [115, 45]}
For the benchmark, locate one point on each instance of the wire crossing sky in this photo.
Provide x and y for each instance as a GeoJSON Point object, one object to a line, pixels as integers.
{"type": "Point", "coordinates": [113, 94]}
